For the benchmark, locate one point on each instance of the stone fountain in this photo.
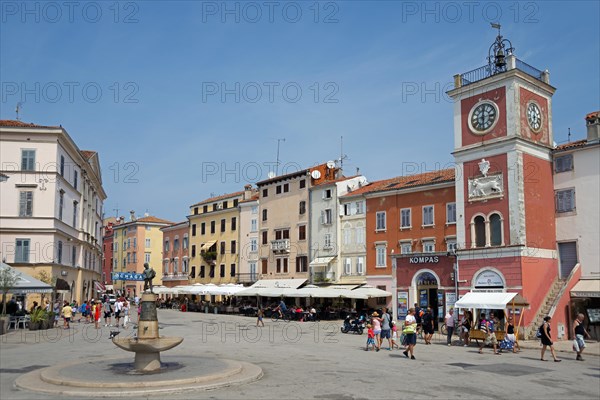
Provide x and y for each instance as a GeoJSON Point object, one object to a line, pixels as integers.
{"type": "Point", "coordinates": [148, 344]}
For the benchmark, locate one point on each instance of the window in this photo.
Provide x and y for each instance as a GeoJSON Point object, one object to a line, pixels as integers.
{"type": "Point", "coordinates": [302, 207]}
{"type": "Point", "coordinates": [563, 163]}
{"type": "Point", "coordinates": [278, 189]}
{"type": "Point", "coordinates": [265, 193]}
{"type": "Point", "coordinates": [427, 215]}
{"type": "Point", "coordinates": [166, 245]}
{"type": "Point", "coordinates": [205, 209]}
{"type": "Point", "coordinates": [406, 248]}
{"type": "Point", "coordinates": [405, 221]}
{"type": "Point", "coordinates": [176, 266]}
{"type": "Point", "coordinates": [232, 270]}
{"type": "Point", "coordinates": [451, 213]}
{"type": "Point", "coordinates": [184, 243]}
{"type": "Point", "coordinates": [61, 204]}
{"type": "Point", "coordinates": [235, 202]}
{"type": "Point", "coordinates": [360, 235]}
{"type": "Point", "coordinates": [565, 200]}
{"type": "Point", "coordinates": [212, 272]}
{"type": "Point", "coordinates": [74, 256]}
{"type": "Point", "coordinates": [264, 237]}
{"type": "Point", "coordinates": [348, 266]}
{"type": "Point", "coordinates": [253, 245]}
{"type": "Point", "coordinates": [428, 246]}
{"type": "Point", "coordinates": [222, 270]}
{"type": "Point", "coordinates": [281, 265]}
{"type": "Point", "coordinates": [233, 223]}
{"type": "Point", "coordinates": [495, 230]}
{"type": "Point", "coordinates": [115, 247]}
{"type": "Point", "coordinates": [264, 215]}
{"type": "Point", "coordinates": [327, 194]}
{"type": "Point", "coordinates": [128, 258]}
{"type": "Point", "coordinates": [253, 225]}
{"type": "Point", "coordinates": [233, 247]}
{"type": "Point", "coordinates": [202, 229]}
{"type": "Point", "coordinates": [360, 209]}
{"type": "Point", "coordinates": [347, 209]}
{"type": "Point", "coordinates": [264, 266]}
{"type": "Point", "coordinates": [148, 243]}
{"type": "Point", "coordinates": [480, 240]}
{"type": "Point", "coordinates": [75, 204]}
{"type": "Point", "coordinates": [451, 245]}
{"type": "Point", "coordinates": [302, 232]}
{"type": "Point", "coordinates": [62, 166]}
{"type": "Point", "coordinates": [222, 248]}
{"type": "Point", "coordinates": [278, 265]}
{"type": "Point", "coordinates": [75, 176]}
{"type": "Point", "coordinates": [327, 217]}
{"type": "Point", "coordinates": [193, 229]}
{"type": "Point", "coordinates": [302, 264]}
{"type": "Point", "coordinates": [175, 244]}
{"type": "Point", "coordinates": [286, 187]}
{"type": "Point", "coordinates": [129, 243]}
{"type": "Point", "coordinates": [347, 236]}
{"type": "Point", "coordinates": [327, 244]}
{"type": "Point", "coordinates": [254, 210]}
{"type": "Point", "coordinates": [223, 225]}
{"type": "Point", "coordinates": [195, 210]}
{"type": "Point", "coordinates": [360, 265]}
{"type": "Point", "coordinates": [165, 267]}
{"type": "Point", "coordinates": [282, 234]}
{"type": "Point", "coordinates": [202, 271]}
{"type": "Point", "coordinates": [28, 160]}
{"type": "Point", "coordinates": [184, 266]}
{"type": "Point", "coordinates": [225, 205]}
{"type": "Point", "coordinates": [193, 250]}
{"type": "Point", "coordinates": [59, 252]}
{"type": "Point", "coordinates": [26, 204]}
{"type": "Point", "coordinates": [380, 256]}
{"type": "Point", "coordinates": [215, 207]}
{"type": "Point", "coordinates": [302, 183]}
{"type": "Point", "coordinates": [213, 227]}
{"type": "Point", "coordinates": [380, 221]}
{"type": "Point", "coordinates": [147, 257]}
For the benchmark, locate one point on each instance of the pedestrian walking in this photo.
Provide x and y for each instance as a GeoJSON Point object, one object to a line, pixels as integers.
{"type": "Point", "coordinates": [449, 320]}
{"type": "Point", "coordinates": [547, 339]}
{"type": "Point", "coordinates": [428, 327]}
{"type": "Point", "coordinates": [107, 312]}
{"type": "Point", "coordinates": [510, 335]}
{"type": "Point", "coordinates": [395, 335]}
{"type": "Point", "coordinates": [465, 327]}
{"type": "Point", "coordinates": [410, 332]}
{"type": "Point", "coordinates": [126, 318]}
{"type": "Point", "coordinates": [259, 317]}
{"type": "Point", "coordinates": [488, 329]}
{"type": "Point", "coordinates": [370, 337]}
{"type": "Point", "coordinates": [579, 333]}
{"type": "Point", "coordinates": [118, 310]}
{"type": "Point", "coordinates": [376, 322]}
{"type": "Point", "coordinates": [386, 328]}
{"type": "Point", "coordinates": [67, 312]}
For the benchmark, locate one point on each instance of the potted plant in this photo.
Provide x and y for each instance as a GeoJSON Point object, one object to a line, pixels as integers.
{"type": "Point", "coordinates": [37, 317]}
{"type": "Point", "coordinates": [48, 322]}
{"type": "Point", "coordinates": [8, 279]}
{"type": "Point", "coordinates": [209, 256]}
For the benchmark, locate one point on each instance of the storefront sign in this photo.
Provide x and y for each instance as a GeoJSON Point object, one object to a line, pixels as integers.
{"type": "Point", "coordinates": [402, 304]}
{"type": "Point", "coordinates": [127, 276]}
{"type": "Point", "coordinates": [450, 300]}
{"type": "Point", "coordinates": [424, 260]}
{"type": "Point", "coordinates": [489, 279]}
{"type": "Point", "coordinates": [423, 298]}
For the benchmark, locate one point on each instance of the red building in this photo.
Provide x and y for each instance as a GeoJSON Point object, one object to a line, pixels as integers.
{"type": "Point", "coordinates": [107, 252]}
{"type": "Point", "coordinates": [175, 255]}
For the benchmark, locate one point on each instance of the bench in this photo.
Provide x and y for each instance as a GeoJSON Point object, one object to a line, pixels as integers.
{"type": "Point", "coordinates": [477, 335]}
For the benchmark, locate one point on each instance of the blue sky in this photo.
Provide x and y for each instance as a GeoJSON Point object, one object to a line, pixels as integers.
{"type": "Point", "coordinates": [195, 94]}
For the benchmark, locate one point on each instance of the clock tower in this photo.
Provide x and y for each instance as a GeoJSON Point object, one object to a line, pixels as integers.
{"type": "Point", "coordinates": [504, 182]}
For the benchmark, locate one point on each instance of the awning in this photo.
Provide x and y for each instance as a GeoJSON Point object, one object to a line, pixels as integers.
{"type": "Point", "coordinates": [207, 245]}
{"type": "Point", "coordinates": [24, 282]}
{"type": "Point", "coordinates": [586, 288]}
{"type": "Point", "coordinates": [272, 287]}
{"type": "Point", "coordinates": [99, 287]}
{"type": "Point", "coordinates": [321, 261]}
{"type": "Point", "coordinates": [371, 292]}
{"type": "Point", "coordinates": [494, 301]}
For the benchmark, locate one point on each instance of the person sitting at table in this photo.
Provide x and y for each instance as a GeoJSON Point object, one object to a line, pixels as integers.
{"type": "Point", "coordinates": [300, 313]}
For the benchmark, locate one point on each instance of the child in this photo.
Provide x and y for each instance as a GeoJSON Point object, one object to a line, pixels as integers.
{"type": "Point", "coordinates": [370, 337]}
{"type": "Point", "coordinates": [259, 317]}
{"type": "Point", "coordinates": [394, 335]}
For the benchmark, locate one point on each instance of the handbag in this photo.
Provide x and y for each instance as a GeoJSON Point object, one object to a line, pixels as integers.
{"type": "Point", "coordinates": [408, 329]}
{"type": "Point", "coordinates": [576, 346]}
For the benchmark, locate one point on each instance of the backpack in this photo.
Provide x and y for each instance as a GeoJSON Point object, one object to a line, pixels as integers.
{"type": "Point", "coordinates": [539, 333]}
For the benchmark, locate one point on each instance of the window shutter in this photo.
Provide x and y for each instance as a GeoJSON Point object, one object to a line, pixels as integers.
{"type": "Point", "coordinates": [22, 204]}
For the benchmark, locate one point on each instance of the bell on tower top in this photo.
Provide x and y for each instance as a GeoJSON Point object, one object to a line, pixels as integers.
{"type": "Point", "coordinates": [499, 50]}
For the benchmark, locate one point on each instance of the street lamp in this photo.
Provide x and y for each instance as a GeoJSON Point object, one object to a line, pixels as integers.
{"type": "Point", "coordinates": [394, 288]}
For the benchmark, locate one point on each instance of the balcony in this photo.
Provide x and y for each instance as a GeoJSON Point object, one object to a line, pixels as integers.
{"type": "Point", "coordinates": [486, 71]}
{"type": "Point", "coordinates": [280, 246]}
{"type": "Point", "coordinates": [247, 277]}
{"type": "Point", "coordinates": [175, 277]}
{"type": "Point", "coordinates": [323, 277]}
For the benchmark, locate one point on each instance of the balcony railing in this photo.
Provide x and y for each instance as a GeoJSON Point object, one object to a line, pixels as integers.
{"type": "Point", "coordinates": [280, 246]}
{"type": "Point", "coordinates": [175, 277]}
{"type": "Point", "coordinates": [321, 277]}
{"type": "Point", "coordinates": [247, 277]}
{"type": "Point", "coordinates": [486, 71]}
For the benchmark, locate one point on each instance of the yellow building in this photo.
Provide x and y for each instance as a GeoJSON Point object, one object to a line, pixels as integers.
{"type": "Point", "coordinates": [137, 242]}
{"type": "Point", "coordinates": [214, 239]}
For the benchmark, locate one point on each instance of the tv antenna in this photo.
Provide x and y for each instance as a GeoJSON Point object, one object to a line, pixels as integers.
{"type": "Point", "coordinates": [342, 155]}
{"type": "Point", "coordinates": [116, 210]}
{"type": "Point", "coordinates": [569, 136]}
{"type": "Point", "coordinates": [18, 109]}
{"type": "Point", "coordinates": [277, 161]}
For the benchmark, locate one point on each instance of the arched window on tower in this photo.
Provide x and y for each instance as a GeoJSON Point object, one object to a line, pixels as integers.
{"type": "Point", "coordinates": [495, 230]}
{"type": "Point", "coordinates": [479, 231]}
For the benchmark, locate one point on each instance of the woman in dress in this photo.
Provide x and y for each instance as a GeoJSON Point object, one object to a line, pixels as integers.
{"type": "Point", "coordinates": [510, 335]}
{"type": "Point", "coordinates": [547, 340]}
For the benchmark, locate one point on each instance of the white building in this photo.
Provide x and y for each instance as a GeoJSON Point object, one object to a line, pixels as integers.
{"type": "Point", "coordinates": [326, 263]}
{"type": "Point", "coordinates": [353, 241]}
{"type": "Point", "coordinates": [51, 201]}
{"type": "Point", "coordinates": [576, 188]}
{"type": "Point", "coordinates": [249, 259]}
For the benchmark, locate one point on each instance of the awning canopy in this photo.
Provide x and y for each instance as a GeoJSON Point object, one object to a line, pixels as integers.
{"type": "Point", "coordinates": [207, 245]}
{"type": "Point", "coordinates": [494, 301]}
{"type": "Point", "coordinates": [586, 288]}
{"type": "Point", "coordinates": [371, 292]}
{"type": "Point", "coordinates": [272, 287]}
{"type": "Point", "coordinates": [26, 283]}
{"type": "Point", "coordinates": [99, 287]}
{"type": "Point", "coordinates": [321, 261]}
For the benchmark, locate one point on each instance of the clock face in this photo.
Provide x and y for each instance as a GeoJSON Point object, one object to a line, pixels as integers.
{"type": "Point", "coordinates": [483, 117]}
{"type": "Point", "coordinates": [534, 117]}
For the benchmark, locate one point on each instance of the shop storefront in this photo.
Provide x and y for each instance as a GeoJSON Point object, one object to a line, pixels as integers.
{"type": "Point", "coordinates": [585, 299]}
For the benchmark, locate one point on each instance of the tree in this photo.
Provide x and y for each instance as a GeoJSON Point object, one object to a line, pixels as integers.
{"type": "Point", "coordinates": [50, 280]}
{"type": "Point", "coordinates": [8, 279]}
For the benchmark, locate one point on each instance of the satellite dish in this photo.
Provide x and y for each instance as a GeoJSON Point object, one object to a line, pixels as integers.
{"type": "Point", "coordinates": [271, 174]}
{"type": "Point", "coordinates": [331, 164]}
{"type": "Point", "coordinates": [316, 174]}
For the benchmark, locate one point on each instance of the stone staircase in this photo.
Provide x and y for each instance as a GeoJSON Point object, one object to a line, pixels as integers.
{"type": "Point", "coordinates": [555, 290]}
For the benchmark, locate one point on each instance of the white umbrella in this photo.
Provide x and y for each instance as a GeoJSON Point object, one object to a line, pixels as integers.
{"type": "Point", "coordinates": [370, 291]}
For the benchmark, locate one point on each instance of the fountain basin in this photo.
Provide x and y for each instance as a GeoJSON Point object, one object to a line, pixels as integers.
{"type": "Point", "coordinates": [147, 351]}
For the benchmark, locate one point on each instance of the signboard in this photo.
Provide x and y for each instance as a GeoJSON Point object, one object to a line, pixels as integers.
{"type": "Point", "coordinates": [424, 260]}
{"type": "Point", "coordinates": [489, 279]}
{"type": "Point", "coordinates": [402, 304]}
{"type": "Point", "coordinates": [594, 315]}
{"type": "Point", "coordinates": [423, 299]}
{"type": "Point", "coordinates": [127, 276]}
{"type": "Point", "coordinates": [450, 300]}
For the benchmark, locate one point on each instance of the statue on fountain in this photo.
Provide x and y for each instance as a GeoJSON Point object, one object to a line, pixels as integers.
{"type": "Point", "coordinates": [149, 274]}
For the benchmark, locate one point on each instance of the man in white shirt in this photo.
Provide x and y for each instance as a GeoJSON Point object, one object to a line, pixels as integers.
{"type": "Point", "coordinates": [118, 309]}
{"type": "Point", "coordinates": [449, 319]}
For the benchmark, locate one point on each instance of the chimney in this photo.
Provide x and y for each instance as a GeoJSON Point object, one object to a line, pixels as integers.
{"type": "Point", "coordinates": [247, 192]}
{"type": "Point", "coordinates": [592, 121]}
{"type": "Point", "coordinates": [132, 214]}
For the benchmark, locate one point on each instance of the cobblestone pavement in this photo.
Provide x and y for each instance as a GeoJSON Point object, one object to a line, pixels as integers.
{"type": "Point", "coordinates": [317, 361]}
